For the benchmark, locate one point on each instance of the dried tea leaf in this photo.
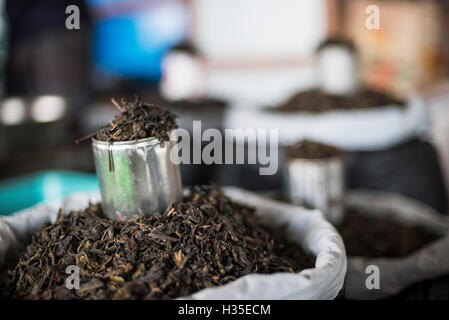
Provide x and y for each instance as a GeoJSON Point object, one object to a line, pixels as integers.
{"type": "Point", "coordinates": [315, 101]}
{"type": "Point", "coordinates": [203, 241]}
{"type": "Point", "coordinates": [370, 236]}
{"type": "Point", "coordinates": [138, 120]}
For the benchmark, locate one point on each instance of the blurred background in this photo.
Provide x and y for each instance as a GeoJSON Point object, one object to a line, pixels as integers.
{"type": "Point", "coordinates": [224, 63]}
{"type": "Point", "coordinates": [209, 60]}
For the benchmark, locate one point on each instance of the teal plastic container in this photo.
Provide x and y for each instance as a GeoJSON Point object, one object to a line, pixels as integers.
{"type": "Point", "coordinates": [26, 191]}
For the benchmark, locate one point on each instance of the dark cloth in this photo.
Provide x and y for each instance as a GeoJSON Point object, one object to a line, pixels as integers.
{"type": "Point", "coordinates": [435, 289]}
{"type": "Point", "coordinates": [44, 57]}
{"type": "Point", "coordinates": [411, 169]}
{"type": "Point", "coordinates": [32, 17]}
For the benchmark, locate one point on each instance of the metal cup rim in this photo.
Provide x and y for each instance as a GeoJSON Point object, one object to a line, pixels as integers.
{"type": "Point", "coordinates": [317, 160]}
{"type": "Point", "coordinates": [123, 144]}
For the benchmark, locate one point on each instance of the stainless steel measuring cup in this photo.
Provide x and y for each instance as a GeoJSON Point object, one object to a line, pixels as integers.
{"type": "Point", "coordinates": [317, 184]}
{"type": "Point", "coordinates": [136, 177]}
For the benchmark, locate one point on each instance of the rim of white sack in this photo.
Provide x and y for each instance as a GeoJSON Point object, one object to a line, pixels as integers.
{"type": "Point", "coordinates": [315, 283]}
{"type": "Point", "coordinates": [330, 266]}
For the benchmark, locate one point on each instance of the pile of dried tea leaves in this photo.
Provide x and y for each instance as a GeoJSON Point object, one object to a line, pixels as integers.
{"type": "Point", "coordinates": [196, 104]}
{"type": "Point", "coordinates": [203, 241]}
{"type": "Point", "coordinates": [138, 120]}
{"type": "Point", "coordinates": [369, 236]}
{"type": "Point", "coordinates": [316, 101]}
{"type": "Point", "coordinates": [307, 149]}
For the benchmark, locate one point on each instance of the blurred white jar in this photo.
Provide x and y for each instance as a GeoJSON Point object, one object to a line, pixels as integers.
{"type": "Point", "coordinates": [317, 184]}
{"type": "Point", "coordinates": [183, 76]}
{"type": "Point", "coordinates": [338, 68]}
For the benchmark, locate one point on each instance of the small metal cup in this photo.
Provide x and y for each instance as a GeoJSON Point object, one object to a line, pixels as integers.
{"type": "Point", "coordinates": [317, 184]}
{"type": "Point", "coordinates": [136, 177]}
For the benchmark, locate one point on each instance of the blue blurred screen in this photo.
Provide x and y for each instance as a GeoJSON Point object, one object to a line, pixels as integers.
{"type": "Point", "coordinates": [131, 36]}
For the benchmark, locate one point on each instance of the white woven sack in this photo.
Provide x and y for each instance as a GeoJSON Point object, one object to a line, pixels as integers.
{"type": "Point", "coordinates": [351, 130]}
{"type": "Point", "coordinates": [396, 274]}
{"type": "Point", "coordinates": [305, 227]}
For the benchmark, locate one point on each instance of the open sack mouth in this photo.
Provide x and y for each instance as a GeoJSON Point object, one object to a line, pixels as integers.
{"type": "Point", "coordinates": [204, 241]}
